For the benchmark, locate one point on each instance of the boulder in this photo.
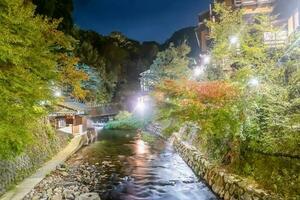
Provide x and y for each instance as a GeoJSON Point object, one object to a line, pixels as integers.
{"type": "Point", "coordinates": [89, 196]}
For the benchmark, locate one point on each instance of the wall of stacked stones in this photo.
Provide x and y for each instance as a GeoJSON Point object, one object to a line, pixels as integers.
{"type": "Point", "coordinates": [16, 169]}
{"type": "Point", "coordinates": [225, 185]}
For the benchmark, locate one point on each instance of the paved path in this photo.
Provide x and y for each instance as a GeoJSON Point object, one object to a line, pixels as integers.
{"type": "Point", "coordinates": [22, 189]}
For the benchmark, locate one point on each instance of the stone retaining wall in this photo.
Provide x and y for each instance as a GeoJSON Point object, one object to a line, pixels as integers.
{"type": "Point", "coordinates": [15, 170]}
{"type": "Point", "coordinates": [227, 186]}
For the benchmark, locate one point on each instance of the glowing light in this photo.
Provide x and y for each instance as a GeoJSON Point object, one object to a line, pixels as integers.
{"type": "Point", "coordinates": [253, 82]}
{"type": "Point", "coordinates": [57, 93]}
{"type": "Point", "coordinates": [205, 59]}
{"type": "Point", "coordinates": [198, 71]}
{"type": "Point", "coordinates": [233, 40]}
{"type": "Point", "coordinates": [140, 105]}
{"type": "Point", "coordinates": [140, 147]}
{"type": "Point", "coordinates": [42, 103]}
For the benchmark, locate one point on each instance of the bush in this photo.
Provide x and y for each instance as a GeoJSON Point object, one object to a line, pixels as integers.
{"type": "Point", "coordinates": [125, 121]}
{"type": "Point", "coordinates": [213, 106]}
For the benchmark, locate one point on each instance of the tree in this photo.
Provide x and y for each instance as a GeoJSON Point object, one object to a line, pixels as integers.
{"type": "Point", "coordinates": [172, 64]}
{"type": "Point", "coordinates": [57, 9]}
{"type": "Point", "coordinates": [239, 43]}
{"type": "Point", "coordinates": [33, 53]}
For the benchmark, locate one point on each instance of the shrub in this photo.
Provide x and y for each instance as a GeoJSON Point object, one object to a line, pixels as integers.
{"type": "Point", "coordinates": [214, 106]}
{"type": "Point", "coordinates": [125, 121]}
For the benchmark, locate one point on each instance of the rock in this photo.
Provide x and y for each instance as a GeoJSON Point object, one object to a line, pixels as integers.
{"type": "Point", "coordinates": [89, 196]}
{"type": "Point", "coordinates": [63, 165]}
{"type": "Point", "coordinates": [86, 173]}
{"type": "Point", "coordinates": [49, 192]}
{"type": "Point", "coordinates": [68, 194]}
{"type": "Point", "coordinates": [247, 196]}
{"type": "Point", "coordinates": [63, 173]}
{"type": "Point", "coordinates": [85, 190]}
{"type": "Point", "coordinates": [227, 196]}
{"type": "Point", "coordinates": [57, 190]}
{"type": "Point", "coordinates": [56, 196]}
{"type": "Point", "coordinates": [77, 194]}
{"type": "Point", "coordinates": [36, 197]}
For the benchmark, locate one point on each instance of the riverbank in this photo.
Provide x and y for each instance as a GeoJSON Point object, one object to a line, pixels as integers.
{"type": "Point", "coordinates": [224, 182]}
{"type": "Point", "coordinates": [227, 186]}
{"type": "Point", "coordinates": [123, 165]}
{"type": "Point", "coordinates": [24, 187]}
{"type": "Point", "coordinates": [68, 182]}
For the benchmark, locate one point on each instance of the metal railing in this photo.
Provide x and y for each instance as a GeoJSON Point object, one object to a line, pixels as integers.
{"type": "Point", "coordinates": [240, 3]}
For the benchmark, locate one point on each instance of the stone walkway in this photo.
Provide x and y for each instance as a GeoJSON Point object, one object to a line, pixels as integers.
{"type": "Point", "coordinates": [23, 188]}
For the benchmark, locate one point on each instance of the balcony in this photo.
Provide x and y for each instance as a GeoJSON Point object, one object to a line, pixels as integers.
{"type": "Point", "coordinates": [277, 39]}
{"type": "Point", "coordinates": [243, 3]}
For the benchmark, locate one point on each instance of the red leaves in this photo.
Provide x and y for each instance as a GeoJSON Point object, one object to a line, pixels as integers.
{"type": "Point", "coordinates": [215, 93]}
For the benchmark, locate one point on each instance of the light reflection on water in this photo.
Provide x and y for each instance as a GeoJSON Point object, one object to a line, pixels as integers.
{"type": "Point", "coordinates": [139, 170]}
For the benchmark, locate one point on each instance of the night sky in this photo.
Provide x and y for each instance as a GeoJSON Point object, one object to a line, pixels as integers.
{"type": "Point", "coordinates": [143, 20]}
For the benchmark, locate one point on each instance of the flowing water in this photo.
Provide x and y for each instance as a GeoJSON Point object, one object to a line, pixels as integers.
{"type": "Point", "coordinates": [141, 168]}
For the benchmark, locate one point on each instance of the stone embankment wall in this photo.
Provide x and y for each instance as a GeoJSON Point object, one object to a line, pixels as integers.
{"type": "Point", "coordinates": [44, 147]}
{"type": "Point", "coordinates": [227, 186]}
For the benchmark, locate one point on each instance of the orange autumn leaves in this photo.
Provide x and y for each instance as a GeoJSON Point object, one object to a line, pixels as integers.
{"type": "Point", "coordinates": [188, 92]}
{"type": "Point", "coordinates": [197, 101]}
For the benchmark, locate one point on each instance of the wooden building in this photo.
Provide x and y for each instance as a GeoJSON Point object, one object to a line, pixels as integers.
{"type": "Point", "coordinates": [69, 117]}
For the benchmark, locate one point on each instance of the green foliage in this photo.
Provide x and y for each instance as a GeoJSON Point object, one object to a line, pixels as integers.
{"type": "Point", "coordinates": [248, 49]}
{"type": "Point", "coordinates": [148, 137]}
{"type": "Point", "coordinates": [125, 121]}
{"type": "Point", "coordinates": [34, 55]}
{"type": "Point", "coordinates": [275, 173]}
{"type": "Point", "coordinates": [123, 115]}
{"type": "Point", "coordinates": [250, 102]}
{"type": "Point", "coordinates": [213, 106]}
{"type": "Point", "coordinates": [116, 59]}
{"type": "Point", "coordinates": [171, 63]}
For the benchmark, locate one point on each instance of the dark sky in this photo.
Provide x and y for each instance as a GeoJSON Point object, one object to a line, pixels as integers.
{"type": "Point", "coordinates": [143, 20]}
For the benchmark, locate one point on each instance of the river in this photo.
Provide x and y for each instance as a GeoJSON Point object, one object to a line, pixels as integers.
{"type": "Point", "coordinates": [141, 168]}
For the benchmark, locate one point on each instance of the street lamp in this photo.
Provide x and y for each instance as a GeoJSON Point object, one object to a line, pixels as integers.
{"type": "Point", "coordinates": [42, 103]}
{"type": "Point", "coordinates": [140, 105]}
{"type": "Point", "coordinates": [234, 40]}
{"type": "Point", "coordinates": [198, 71]}
{"type": "Point", "coordinates": [253, 82]}
{"type": "Point", "coordinates": [57, 93]}
{"type": "Point", "coordinates": [205, 59]}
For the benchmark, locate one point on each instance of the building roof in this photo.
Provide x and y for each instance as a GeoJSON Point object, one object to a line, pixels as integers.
{"type": "Point", "coordinates": [73, 105]}
{"type": "Point", "coordinates": [69, 108]}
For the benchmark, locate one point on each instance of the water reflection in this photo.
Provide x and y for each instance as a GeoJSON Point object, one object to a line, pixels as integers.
{"type": "Point", "coordinates": [134, 169]}
{"type": "Point", "coordinates": [140, 147]}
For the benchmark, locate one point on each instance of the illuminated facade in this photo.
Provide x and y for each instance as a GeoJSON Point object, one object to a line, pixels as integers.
{"type": "Point", "coordinates": [287, 13]}
{"type": "Point", "coordinates": [146, 81]}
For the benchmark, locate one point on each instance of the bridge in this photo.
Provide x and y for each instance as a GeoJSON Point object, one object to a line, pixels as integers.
{"type": "Point", "coordinates": [103, 110]}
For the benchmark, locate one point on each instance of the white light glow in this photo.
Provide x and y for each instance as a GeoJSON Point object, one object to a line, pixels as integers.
{"type": "Point", "coordinates": [206, 59]}
{"type": "Point", "coordinates": [198, 71]}
{"type": "Point", "coordinates": [234, 40]}
{"type": "Point", "coordinates": [140, 147]}
{"type": "Point", "coordinates": [42, 103]}
{"type": "Point", "coordinates": [254, 82]}
{"type": "Point", "coordinates": [57, 93]}
{"type": "Point", "coordinates": [140, 105]}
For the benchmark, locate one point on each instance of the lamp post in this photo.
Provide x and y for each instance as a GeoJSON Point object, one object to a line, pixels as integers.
{"type": "Point", "coordinates": [57, 93]}
{"type": "Point", "coordinates": [253, 82]}
{"type": "Point", "coordinates": [198, 70]}
{"type": "Point", "coordinates": [205, 59]}
{"type": "Point", "coordinates": [140, 105]}
{"type": "Point", "coordinates": [234, 40]}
